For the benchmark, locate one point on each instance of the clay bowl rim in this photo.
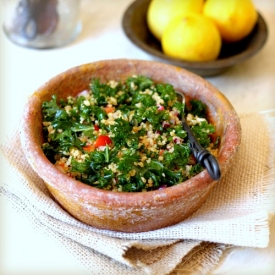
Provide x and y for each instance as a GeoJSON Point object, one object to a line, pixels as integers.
{"type": "Point", "coordinates": [33, 150]}
{"type": "Point", "coordinates": [256, 40]}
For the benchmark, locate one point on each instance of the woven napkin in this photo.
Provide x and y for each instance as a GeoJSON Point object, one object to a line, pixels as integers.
{"type": "Point", "coordinates": [237, 213]}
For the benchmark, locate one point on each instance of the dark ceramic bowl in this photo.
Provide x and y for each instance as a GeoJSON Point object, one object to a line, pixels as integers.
{"type": "Point", "coordinates": [129, 212]}
{"type": "Point", "coordinates": [135, 27]}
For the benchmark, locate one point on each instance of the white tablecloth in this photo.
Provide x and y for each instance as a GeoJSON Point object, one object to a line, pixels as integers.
{"type": "Point", "coordinates": [249, 86]}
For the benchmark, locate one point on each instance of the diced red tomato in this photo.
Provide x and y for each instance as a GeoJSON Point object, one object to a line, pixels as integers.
{"type": "Point", "coordinates": [102, 141]}
{"type": "Point", "coordinates": [109, 109]}
{"type": "Point", "coordinates": [161, 152]}
{"type": "Point", "coordinates": [96, 127]}
{"type": "Point", "coordinates": [89, 148]}
{"type": "Point", "coordinates": [61, 164]}
{"type": "Point", "coordinates": [160, 108]}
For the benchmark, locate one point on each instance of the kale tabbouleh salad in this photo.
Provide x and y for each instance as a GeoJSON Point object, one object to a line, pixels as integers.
{"type": "Point", "coordinates": [124, 137]}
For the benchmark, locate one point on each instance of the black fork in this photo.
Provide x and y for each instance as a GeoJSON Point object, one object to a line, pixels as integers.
{"type": "Point", "coordinates": [203, 156]}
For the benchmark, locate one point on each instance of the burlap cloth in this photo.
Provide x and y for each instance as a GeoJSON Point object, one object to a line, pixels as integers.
{"type": "Point", "coordinates": [237, 213]}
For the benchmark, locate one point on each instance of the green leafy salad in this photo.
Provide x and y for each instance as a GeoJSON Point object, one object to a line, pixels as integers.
{"type": "Point", "coordinates": [125, 137]}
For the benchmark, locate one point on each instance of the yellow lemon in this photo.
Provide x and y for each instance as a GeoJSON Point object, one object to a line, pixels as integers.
{"type": "Point", "coordinates": [160, 13]}
{"type": "Point", "coordinates": [235, 19]}
{"type": "Point", "coordinates": [192, 37]}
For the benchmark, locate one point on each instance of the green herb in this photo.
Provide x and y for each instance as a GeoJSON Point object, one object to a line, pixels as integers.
{"type": "Point", "coordinates": [198, 108]}
{"type": "Point", "coordinates": [202, 133]}
{"type": "Point", "coordinates": [143, 146]}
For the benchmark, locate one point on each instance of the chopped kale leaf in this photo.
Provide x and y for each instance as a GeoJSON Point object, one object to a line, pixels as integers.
{"type": "Point", "coordinates": [143, 144]}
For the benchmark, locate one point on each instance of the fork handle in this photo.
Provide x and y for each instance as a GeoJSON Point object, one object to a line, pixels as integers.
{"type": "Point", "coordinates": [207, 160]}
{"type": "Point", "coordinates": [203, 156]}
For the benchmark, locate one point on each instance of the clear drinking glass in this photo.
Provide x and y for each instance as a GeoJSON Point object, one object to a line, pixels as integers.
{"type": "Point", "coordinates": [42, 23]}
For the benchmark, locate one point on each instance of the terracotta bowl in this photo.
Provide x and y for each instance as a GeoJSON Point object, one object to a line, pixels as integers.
{"type": "Point", "coordinates": [129, 212]}
{"type": "Point", "coordinates": [134, 24]}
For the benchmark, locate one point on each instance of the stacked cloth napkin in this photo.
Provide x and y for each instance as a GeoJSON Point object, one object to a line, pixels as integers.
{"type": "Point", "coordinates": [237, 214]}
